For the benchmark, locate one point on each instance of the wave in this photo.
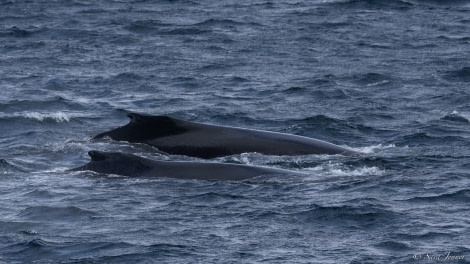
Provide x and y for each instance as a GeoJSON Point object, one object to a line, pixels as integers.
{"type": "Point", "coordinates": [216, 199]}
{"type": "Point", "coordinates": [146, 26]}
{"type": "Point", "coordinates": [184, 31]}
{"type": "Point", "coordinates": [429, 138]}
{"type": "Point", "coordinates": [55, 213]}
{"type": "Point", "coordinates": [54, 102]}
{"type": "Point", "coordinates": [374, 148]}
{"type": "Point", "coordinates": [223, 22]}
{"type": "Point", "coordinates": [366, 215]}
{"type": "Point", "coordinates": [318, 120]}
{"type": "Point", "coordinates": [437, 2]}
{"type": "Point", "coordinates": [393, 246]}
{"type": "Point", "coordinates": [371, 79]}
{"type": "Point", "coordinates": [206, 26]}
{"type": "Point", "coordinates": [8, 168]}
{"type": "Point", "coordinates": [460, 75]}
{"type": "Point", "coordinates": [441, 126]}
{"type": "Point", "coordinates": [339, 169]}
{"type": "Point", "coordinates": [16, 32]}
{"type": "Point", "coordinates": [455, 116]}
{"type": "Point", "coordinates": [453, 197]}
{"type": "Point", "coordinates": [398, 4]}
{"type": "Point", "coordinates": [151, 26]}
{"type": "Point", "coordinates": [59, 116]}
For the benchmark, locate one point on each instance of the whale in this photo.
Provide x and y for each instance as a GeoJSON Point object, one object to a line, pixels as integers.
{"type": "Point", "coordinates": [179, 137]}
{"type": "Point", "coordinates": [124, 164]}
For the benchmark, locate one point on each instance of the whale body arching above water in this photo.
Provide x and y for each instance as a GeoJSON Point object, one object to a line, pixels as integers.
{"type": "Point", "coordinates": [180, 137]}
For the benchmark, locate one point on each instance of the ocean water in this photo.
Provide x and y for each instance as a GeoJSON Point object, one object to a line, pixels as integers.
{"type": "Point", "coordinates": [390, 79]}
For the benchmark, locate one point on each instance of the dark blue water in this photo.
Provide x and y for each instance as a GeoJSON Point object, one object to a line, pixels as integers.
{"type": "Point", "coordinates": [390, 79]}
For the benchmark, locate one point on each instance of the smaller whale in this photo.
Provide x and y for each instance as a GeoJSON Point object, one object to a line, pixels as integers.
{"type": "Point", "coordinates": [180, 137]}
{"type": "Point", "coordinates": [135, 166]}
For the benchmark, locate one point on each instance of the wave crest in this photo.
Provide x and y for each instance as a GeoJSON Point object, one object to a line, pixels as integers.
{"type": "Point", "coordinates": [59, 116]}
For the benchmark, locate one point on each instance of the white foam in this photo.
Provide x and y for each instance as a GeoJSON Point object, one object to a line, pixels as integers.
{"type": "Point", "coordinates": [337, 169]}
{"type": "Point", "coordinates": [332, 1]}
{"type": "Point", "coordinates": [373, 148]}
{"type": "Point", "coordinates": [466, 116]}
{"type": "Point", "coordinates": [377, 83]}
{"type": "Point", "coordinates": [59, 116]}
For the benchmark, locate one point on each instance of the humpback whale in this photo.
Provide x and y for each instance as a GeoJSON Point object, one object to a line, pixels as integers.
{"type": "Point", "coordinates": [135, 166]}
{"type": "Point", "coordinates": [180, 137]}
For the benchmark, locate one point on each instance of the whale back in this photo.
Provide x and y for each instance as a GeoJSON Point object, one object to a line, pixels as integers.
{"type": "Point", "coordinates": [175, 136]}
{"type": "Point", "coordinates": [115, 163]}
{"type": "Point", "coordinates": [134, 166]}
{"type": "Point", "coordinates": [143, 127]}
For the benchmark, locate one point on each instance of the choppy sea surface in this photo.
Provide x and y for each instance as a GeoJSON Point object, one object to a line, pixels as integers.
{"type": "Point", "coordinates": [390, 79]}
